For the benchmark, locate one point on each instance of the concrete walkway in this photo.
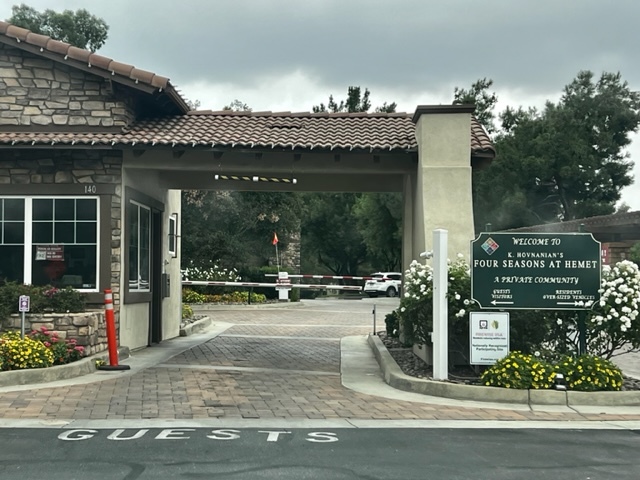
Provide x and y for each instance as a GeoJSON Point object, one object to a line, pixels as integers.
{"type": "Point", "coordinates": [306, 364]}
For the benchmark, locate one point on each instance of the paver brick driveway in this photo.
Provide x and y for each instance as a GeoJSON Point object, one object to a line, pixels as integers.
{"type": "Point", "coordinates": [273, 363]}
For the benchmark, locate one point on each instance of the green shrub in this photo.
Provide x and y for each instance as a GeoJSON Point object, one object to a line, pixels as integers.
{"type": "Point", "coordinates": [588, 373]}
{"type": "Point", "coordinates": [392, 322]}
{"type": "Point", "coordinates": [310, 293]}
{"type": "Point", "coordinates": [294, 294]}
{"type": "Point", "coordinates": [519, 371]}
{"type": "Point", "coordinates": [18, 354]}
{"type": "Point", "coordinates": [252, 274]}
{"type": "Point", "coordinates": [42, 299]}
{"type": "Point", "coordinates": [190, 296]}
{"type": "Point", "coordinates": [238, 297]}
{"type": "Point", "coordinates": [61, 300]}
{"type": "Point", "coordinates": [187, 311]}
{"type": "Point", "coordinates": [64, 350]}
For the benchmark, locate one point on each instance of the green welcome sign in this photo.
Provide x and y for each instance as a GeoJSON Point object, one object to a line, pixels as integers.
{"type": "Point", "coordinates": [535, 271]}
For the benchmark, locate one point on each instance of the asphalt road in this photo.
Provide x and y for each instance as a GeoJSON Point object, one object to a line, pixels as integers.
{"type": "Point", "coordinates": [206, 453]}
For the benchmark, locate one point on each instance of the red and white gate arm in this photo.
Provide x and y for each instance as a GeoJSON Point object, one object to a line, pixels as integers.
{"type": "Point", "coordinates": [256, 284]}
{"type": "Point", "coordinates": [335, 277]}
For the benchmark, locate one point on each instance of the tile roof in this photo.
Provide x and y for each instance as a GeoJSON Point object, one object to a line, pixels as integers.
{"type": "Point", "coordinates": [572, 226]}
{"type": "Point", "coordinates": [375, 131]}
{"type": "Point", "coordinates": [65, 52]}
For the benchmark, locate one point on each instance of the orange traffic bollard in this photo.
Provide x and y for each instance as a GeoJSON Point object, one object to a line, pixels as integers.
{"type": "Point", "coordinates": [111, 335]}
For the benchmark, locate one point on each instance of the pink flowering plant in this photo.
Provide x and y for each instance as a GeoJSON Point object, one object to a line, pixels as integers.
{"type": "Point", "coordinates": [63, 350]}
{"type": "Point", "coordinates": [43, 299]}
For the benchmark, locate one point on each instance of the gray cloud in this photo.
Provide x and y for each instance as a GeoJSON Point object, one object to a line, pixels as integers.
{"type": "Point", "coordinates": [406, 45]}
{"type": "Point", "coordinates": [404, 48]}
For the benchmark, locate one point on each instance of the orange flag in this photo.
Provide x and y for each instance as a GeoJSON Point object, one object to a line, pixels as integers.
{"type": "Point", "coordinates": [275, 238]}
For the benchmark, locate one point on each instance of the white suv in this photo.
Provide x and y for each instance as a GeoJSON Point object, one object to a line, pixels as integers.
{"type": "Point", "coordinates": [386, 283]}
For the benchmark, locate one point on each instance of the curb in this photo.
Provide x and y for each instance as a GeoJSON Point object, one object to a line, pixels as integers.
{"type": "Point", "coordinates": [60, 372]}
{"type": "Point", "coordinates": [394, 376]}
{"type": "Point", "coordinates": [196, 327]}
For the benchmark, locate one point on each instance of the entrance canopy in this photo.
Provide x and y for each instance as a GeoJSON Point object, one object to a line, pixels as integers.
{"type": "Point", "coordinates": [280, 145]}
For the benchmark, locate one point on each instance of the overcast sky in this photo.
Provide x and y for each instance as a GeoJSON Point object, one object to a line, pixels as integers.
{"type": "Point", "coordinates": [288, 55]}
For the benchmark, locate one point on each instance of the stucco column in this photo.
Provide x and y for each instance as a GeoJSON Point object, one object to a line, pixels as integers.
{"type": "Point", "coordinates": [442, 197]}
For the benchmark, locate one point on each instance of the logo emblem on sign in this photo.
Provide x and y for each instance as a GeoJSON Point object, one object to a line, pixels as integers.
{"type": "Point", "coordinates": [489, 246]}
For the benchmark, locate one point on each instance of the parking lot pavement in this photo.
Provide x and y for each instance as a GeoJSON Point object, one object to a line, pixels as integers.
{"type": "Point", "coordinates": [275, 363]}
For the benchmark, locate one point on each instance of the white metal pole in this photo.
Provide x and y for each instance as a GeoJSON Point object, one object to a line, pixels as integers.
{"type": "Point", "coordinates": [440, 308]}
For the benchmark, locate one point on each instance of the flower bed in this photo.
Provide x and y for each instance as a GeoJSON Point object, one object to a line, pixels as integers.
{"type": "Point", "coordinates": [84, 329]}
{"type": "Point", "coordinates": [57, 318]}
{"type": "Point", "coordinates": [412, 365]}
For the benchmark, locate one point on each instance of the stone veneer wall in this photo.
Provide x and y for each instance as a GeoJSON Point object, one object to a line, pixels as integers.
{"type": "Point", "coordinates": [56, 167]}
{"type": "Point", "coordinates": [87, 328]}
{"type": "Point", "coordinates": [38, 91]}
{"type": "Point", "coordinates": [291, 255]}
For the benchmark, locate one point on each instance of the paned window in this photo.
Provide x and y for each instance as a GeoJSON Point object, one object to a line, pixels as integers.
{"type": "Point", "coordinates": [12, 225]}
{"type": "Point", "coordinates": [50, 241]}
{"type": "Point", "coordinates": [139, 231]}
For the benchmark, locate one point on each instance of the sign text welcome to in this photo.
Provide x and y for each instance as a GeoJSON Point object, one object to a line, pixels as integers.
{"type": "Point", "coordinates": [535, 271]}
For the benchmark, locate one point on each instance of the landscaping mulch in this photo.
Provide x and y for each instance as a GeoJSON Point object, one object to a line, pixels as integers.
{"type": "Point", "coordinates": [412, 365]}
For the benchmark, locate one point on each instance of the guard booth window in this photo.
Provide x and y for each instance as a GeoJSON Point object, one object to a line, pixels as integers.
{"type": "Point", "coordinates": [50, 241]}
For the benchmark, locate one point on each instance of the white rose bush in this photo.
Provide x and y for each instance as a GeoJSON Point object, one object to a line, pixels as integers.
{"type": "Point", "coordinates": [416, 305]}
{"type": "Point", "coordinates": [614, 325]}
{"type": "Point", "coordinates": [612, 322]}
{"type": "Point", "coordinates": [209, 273]}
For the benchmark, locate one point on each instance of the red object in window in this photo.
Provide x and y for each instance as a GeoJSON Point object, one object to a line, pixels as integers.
{"type": "Point", "coordinates": [54, 269]}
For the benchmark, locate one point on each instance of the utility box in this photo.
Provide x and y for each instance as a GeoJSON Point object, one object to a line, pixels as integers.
{"type": "Point", "coordinates": [166, 285]}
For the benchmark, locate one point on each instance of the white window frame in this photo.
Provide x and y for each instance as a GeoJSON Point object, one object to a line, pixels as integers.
{"type": "Point", "coordinates": [136, 287]}
{"type": "Point", "coordinates": [28, 233]}
{"type": "Point", "coordinates": [173, 237]}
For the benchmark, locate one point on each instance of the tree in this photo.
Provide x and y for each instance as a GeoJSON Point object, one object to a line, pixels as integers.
{"type": "Point", "coordinates": [356, 102]}
{"type": "Point", "coordinates": [237, 106]}
{"type": "Point", "coordinates": [193, 104]}
{"type": "Point", "coordinates": [623, 208]}
{"type": "Point", "coordinates": [236, 227]}
{"type": "Point", "coordinates": [634, 253]}
{"type": "Point", "coordinates": [379, 219]}
{"type": "Point", "coordinates": [330, 233]}
{"type": "Point", "coordinates": [484, 101]}
{"type": "Point", "coordinates": [564, 162]}
{"type": "Point", "coordinates": [78, 28]}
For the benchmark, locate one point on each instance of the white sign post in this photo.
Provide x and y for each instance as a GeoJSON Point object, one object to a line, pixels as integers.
{"type": "Point", "coordinates": [488, 337]}
{"type": "Point", "coordinates": [284, 285]}
{"type": "Point", "coordinates": [24, 304]}
{"type": "Point", "coordinates": [440, 307]}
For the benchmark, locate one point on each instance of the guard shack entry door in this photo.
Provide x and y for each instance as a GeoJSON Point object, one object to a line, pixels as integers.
{"type": "Point", "coordinates": [144, 217]}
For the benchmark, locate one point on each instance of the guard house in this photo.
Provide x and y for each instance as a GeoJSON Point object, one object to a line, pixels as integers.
{"type": "Point", "coordinates": [94, 153]}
